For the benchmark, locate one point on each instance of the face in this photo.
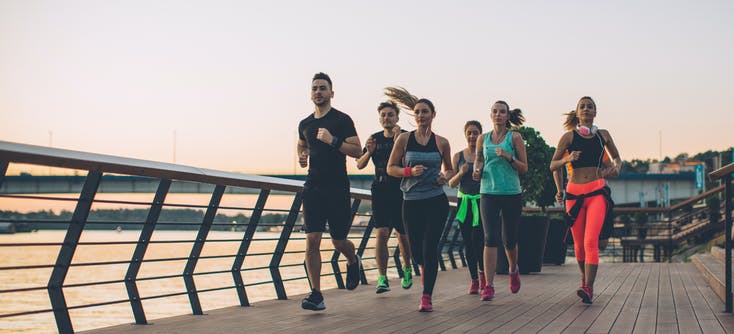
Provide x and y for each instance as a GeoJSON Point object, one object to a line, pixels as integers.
{"type": "Point", "coordinates": [586, 110]}
{"type": "Point", "coordinates": [388, 117]}
{"type": "Point", "coordinates": [423, 114]}
{"type": "Point", "coordinates": [321, 92]}
{"type": "Point", "coordinates": [499, 114]}
{"type": "Point", "coordinates": [472, 133]}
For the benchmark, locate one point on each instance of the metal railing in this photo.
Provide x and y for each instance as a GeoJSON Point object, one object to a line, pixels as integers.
{"type": "Point", "coordinates": [725, 174]}
{"type": "Point", "coordinates": [97, 166]}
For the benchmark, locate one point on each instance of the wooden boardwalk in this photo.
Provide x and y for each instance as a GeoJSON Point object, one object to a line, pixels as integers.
{"type": "Point", "coordinates": [629, 298]}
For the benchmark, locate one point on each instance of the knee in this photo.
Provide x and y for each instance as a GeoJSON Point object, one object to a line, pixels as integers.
{"type": "Point", "coordinates": [591, 244]}
{"type": "Point", "coordinates": [383, 235]}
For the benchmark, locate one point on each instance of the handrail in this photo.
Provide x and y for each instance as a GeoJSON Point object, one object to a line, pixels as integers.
{"type": "Point", "coordinates": [721, 172]}
{"type": "Point", "coordinates": [725, 173]}
{"type": "Point", "coordinates": [99, 164]}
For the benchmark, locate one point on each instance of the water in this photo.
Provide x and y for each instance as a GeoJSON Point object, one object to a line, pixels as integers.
{"type": "Point", "coordinates": [90, 318]}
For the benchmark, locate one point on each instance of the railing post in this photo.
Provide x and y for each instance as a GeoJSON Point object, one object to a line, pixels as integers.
{"type": "Point", "coordinates": [727, 219]}
{"type": "Point", "coordinates": [206, 225]}
{"type": "Point", "coordinates": [335, 256]}
{"type": "Point", "coordinates": [3, 171]}
{"type": "Point", "coordinates": [396, 259]}
{"type": "Point", "coordinates": [66, 253]}
{"type": "Point", "coordinates": [363, 244]}
{"type": "Point", "coordinates": [282, 243]}
{"type": "Point", "coordinates": [245, 245]}
{"type": "Point", "coordinates": [452, 244]}
{"type": "Point", "coordinates": [139, 253]}
{"type": "Point", "coordinates": [444, 235]}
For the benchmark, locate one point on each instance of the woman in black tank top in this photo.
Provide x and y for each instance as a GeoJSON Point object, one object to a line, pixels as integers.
{"type": "Point", "coordinates": [583, 147]}
{"type": "Point", "coordinates": [470, 223]}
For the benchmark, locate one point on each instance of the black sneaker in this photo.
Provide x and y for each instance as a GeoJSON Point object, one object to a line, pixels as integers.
{"type": "Point", "coordinates": [314, 302]}
{"type": "Point", "coordinates": [353, 271]}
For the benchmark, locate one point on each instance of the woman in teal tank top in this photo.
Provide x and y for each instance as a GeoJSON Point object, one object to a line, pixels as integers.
{"type": "Point", "coordinates": [501, 157]}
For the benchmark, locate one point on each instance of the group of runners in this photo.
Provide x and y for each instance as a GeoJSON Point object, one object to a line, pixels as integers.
{"type": "Point", "coordinates": [411, 169]}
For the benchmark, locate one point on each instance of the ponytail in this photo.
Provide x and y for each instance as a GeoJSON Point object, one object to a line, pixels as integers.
{"type": "Point", "coordinates": [516, 118]}
{"type": "Point", "coordinates": [571, 122]}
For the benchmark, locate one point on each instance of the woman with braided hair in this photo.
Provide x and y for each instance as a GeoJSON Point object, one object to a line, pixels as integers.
{"type": "Point", "coordinates": [417, 157]}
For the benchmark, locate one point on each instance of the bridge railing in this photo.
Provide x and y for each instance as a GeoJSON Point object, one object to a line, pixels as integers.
{"type": "Point", "coordinates": [101, 283]}
{"type": "Point", "coordinates": [725, 174]}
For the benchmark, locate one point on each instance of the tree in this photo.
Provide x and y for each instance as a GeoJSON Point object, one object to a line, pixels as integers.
{"type": "Point", "coordinates": [537, 183]}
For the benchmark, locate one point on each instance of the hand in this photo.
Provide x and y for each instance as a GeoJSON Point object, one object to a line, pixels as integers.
{"type": "Point", "coordinates": [559, 197]}
{"type": "Point", "coordinates": [476, 174]}
{"type": "Point", "coordinates": [303, 158]}
{"type": "Point", "coordinates": [417, 170]}
{"type": "Point", "coordinates": [441, 179]}
{"type": "Point", "coordinates": [324, 135]}
{"type": "Point", "coordinates": [396, 131]}
{"type": "Point", "coordinates": [464, 168]}
{"type": "Point", "coordinates": [573, 156]}
{"type": "Point", "coordinates": [500, 153]}
{"type": "Point", "coordinates": [371, 144]}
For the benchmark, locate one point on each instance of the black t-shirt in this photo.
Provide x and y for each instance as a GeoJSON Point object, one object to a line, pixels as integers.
{"type": "Point", "coordinates": [326, 164]}
{"type": "Point", "coordinates": [383, 148]}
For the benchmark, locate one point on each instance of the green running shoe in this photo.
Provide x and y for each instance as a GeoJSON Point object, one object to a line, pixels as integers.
{"type": "Point", "coordinates": [407, 280]}
{"type": "Point", "coordinates": [382, 284]}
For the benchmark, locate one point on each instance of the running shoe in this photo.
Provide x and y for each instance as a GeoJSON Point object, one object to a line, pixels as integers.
{"type": "Point", "coordinates": [586, 293]}
{"type": "Point", "coordinates": [474, 287]}
{"type": "Point", "coordinates": [382, 284]}
{"type": "Point", "coordinates": [482, 281]}
{"type": "Point", "coordinates": [314, 302]}
{"type": "Point", "coordinates": [407, 280]}
{"type": "Point", "coordinates": [353, 271]}
{"type": "Point", "coordinates": [488, 293]}
{"type": "Point", "coordinates": [426, 305]}
{"type": "Point", "coordinates": [515, 280]}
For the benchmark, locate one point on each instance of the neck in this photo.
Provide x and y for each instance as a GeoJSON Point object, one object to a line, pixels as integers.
{"type": "Point", "coordinates": [500, 129]}
{"type": "Point", "coordinates": [423, 130]}
{"type": "Point", "coordinates": [472, 147]}
{"type": "Point", "coordinates": [587, 124]}
{"type": "Point", "coordinates": [388, 132]}
{"type": "Point", "coordinates": [322, 110]}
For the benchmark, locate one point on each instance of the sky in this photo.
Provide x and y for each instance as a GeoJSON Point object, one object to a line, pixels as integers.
{"type": "Point", "coordinates": [223, 84]}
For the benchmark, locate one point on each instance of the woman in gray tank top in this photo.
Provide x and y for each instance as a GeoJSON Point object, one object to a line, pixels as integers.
{"type": "Point", "coordinates": [417, 157]}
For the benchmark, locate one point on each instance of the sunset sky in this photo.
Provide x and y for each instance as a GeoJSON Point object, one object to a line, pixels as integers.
{"type": "Point", "coordinates": [231, 78]}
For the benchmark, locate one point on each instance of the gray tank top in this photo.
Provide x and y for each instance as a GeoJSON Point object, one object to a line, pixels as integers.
{"type": "Point", "coordinates": [424, 186]}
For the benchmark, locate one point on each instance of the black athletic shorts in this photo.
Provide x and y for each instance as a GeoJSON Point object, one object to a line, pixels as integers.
{"type": "Point", "coordinates": [387, 206]}
{"type": "Point", "coordinates": [327, 204]}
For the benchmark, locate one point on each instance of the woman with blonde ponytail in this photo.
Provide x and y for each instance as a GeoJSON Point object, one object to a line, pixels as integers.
{"type": "Point", "coordinates": [417, 157]}
{"type": "Point", "coordinates": [582, 149]}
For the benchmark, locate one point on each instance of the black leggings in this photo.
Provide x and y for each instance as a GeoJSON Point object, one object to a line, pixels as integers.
{"type": "Point", "coordinates": [473, 241]}
{"type": "Point", "coordinates": [511, 208]}
{"type": "Point", "coordinates": [424, 221]}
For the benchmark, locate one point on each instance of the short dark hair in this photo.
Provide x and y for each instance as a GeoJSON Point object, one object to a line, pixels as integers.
{"type": "Point", "coordinates": [389, 104]}
{"type": "Point", "coordinates": [474, 123]}
{"type": "Point", "coordinates": [322, 76]}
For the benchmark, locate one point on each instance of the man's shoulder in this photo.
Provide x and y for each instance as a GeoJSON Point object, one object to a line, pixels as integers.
{"type": "Point", "coordinates": [340, 114]}
{"type": "Point", "coordinates": [306, 120]}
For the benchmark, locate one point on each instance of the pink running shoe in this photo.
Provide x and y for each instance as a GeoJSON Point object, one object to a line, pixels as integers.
{"type": "Point", "coordinates": [482, 281]}
{"type": "Point", "coordinates": [474, 287]}
{"type": "Point", "coordinates": [488, 293]}
{"type": "Point", "coordinates": [426, 305]}
{"type": "Point", "coordinates": [586, 293]}
{"type": "Point", "coordinates": [515, 280]}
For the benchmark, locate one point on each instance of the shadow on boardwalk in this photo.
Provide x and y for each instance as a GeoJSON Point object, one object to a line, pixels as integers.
{"type": "Point", "coordinates": [645, 298]}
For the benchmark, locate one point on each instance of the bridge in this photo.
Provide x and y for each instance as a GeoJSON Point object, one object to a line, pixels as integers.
{"type": "Point", "coordinates": [103, 282]}
{"type": "Point", "coordinates": [626, 188]}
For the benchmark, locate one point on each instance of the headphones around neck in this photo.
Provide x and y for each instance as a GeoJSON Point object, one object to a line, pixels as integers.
{"type": "Point", "coordinates": [585, 130]}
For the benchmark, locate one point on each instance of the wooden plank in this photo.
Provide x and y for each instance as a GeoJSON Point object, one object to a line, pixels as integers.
{"type": "Point", "coordinates": [647, 315]}
{"type": "Point", "coordinates": [666, 321]}
{"type": "Point", "coordinates": [627, 317]}
{"type": "Point", "coordinates": [604, 321]}
{"type": "Point", "coordinates": [684, 314]}
{"type": "Point", "coordinates": [709, 308]}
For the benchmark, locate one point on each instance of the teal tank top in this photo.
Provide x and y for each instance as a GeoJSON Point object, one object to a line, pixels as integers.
{"type": "Point", "coordinates": [498, 177]}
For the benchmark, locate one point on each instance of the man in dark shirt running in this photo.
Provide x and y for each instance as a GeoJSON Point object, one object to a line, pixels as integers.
{"type": "Point", "coordinates": [324, 139]}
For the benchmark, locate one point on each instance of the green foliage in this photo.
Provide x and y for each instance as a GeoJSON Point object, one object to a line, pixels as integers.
{"type": "Point", "coordinates": [537, 183]}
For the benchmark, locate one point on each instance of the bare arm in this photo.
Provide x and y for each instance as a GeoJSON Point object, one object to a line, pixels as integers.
{"type": "Point", "coordinates": [558, 180]}
{"type": "Point", "coordinates": [365, 158]}
{"type": "Point", "coordinates": [454, 181]}
{"type": "Point", "coordinates": [611, 148]}
{"type": "Point", "coordinates": [303, 151]}
{"type": "Point", "coordinates": [479, 160]}
{"type": "Point", "coordinates": [559, 160]}
{"type": "Point", "coordinates": [351, 147]}
{"type": "Point", "coordinates": [394, 167]}
{"type": "Point", "coordinates": [521, 162]}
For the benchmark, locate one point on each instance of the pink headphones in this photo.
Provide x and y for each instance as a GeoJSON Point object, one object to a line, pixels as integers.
{"type": "Point", "coordinates": [584, 130]}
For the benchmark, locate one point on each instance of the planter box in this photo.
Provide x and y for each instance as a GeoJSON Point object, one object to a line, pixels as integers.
{"type": "Point", "coordinates": [555, 245]}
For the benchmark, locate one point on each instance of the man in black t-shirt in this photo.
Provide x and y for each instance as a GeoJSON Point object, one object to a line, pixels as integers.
{"type": "Point", "coordinates": [324, 139]}
{"type": "Point", "coordinates": [387, 198]}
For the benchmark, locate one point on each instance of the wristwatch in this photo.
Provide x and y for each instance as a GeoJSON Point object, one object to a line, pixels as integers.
{"type": "Point", "coordinates": [512, 159]}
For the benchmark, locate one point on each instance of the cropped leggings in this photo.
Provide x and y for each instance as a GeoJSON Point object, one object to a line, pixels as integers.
{"type": "Point", "coordinates": [424, 221]}
{"type": "Point", "coordinates": [509, 207]}
{"type": "Point", "coordinates": [589, 222]}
